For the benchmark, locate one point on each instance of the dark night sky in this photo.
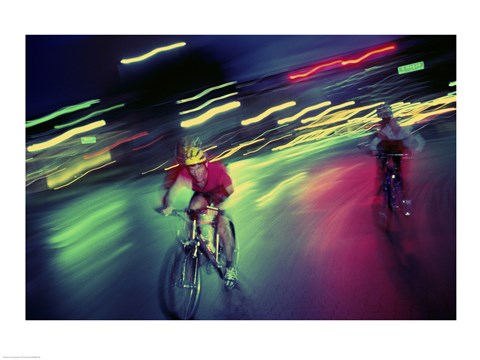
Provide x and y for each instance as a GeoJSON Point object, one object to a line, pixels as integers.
{"type": "Point", "coordinates": [62, 70]}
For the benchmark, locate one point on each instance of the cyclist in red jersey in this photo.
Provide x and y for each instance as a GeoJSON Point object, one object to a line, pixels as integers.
{"type": "Point", "coordinates": [212, 186]}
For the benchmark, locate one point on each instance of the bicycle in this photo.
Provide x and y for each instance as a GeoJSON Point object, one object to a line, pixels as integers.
{"type": "Point", "coordinates": [199, 246]}
{"type": "Point", "coordinates": [392, 186]}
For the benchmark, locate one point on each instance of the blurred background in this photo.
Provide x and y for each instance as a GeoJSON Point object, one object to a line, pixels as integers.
{"type": "Point", "coordinates": [286, 114]}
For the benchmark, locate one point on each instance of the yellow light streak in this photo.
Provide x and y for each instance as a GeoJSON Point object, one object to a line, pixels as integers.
{"type": "Point", "coordinates": [209, 114]}
{"type": "Point", "coordinates": [152, 53]}
{"type": "Point", "coordinates": [155, 168]}
{"type": "Point", "coordinates": [171, 167]}
{"type": "Point", "coordinates": [230, 152]}
{"type": "Point", "coordinates": [419, 117]}
{"type": "Point", "coordinates": [327, 111]}
{"type": "Point", "coordinates": [303, 112]}
{"type": "Point", "coordinates": [261, 147]}
{"type": "Point", "coordinates": [204, 92]}
{"type": "Point", "coordinates": [67, 135]}
{"type": "Point", "coordinates": [268, 112]}
{"type": "Point", "coordinates": [269, 197]}
{"type": "Point", "coordinates": [343, 115]}
{"type": "Point", "coordinates": [210, 148]}
{"type": "Point", "coordinates": [207, 103]}
{"type": "Point", "coordinates": [79, 166]}
{"type": "Point", "coordinates": [89, 171]}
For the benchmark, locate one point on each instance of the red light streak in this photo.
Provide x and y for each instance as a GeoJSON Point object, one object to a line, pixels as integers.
{"type": "Point", "coordinates": [115, 144]}
{"type": "Point", "coordinates": [341, 62]}
{"type": "Point", "coordinates": [150, 143]}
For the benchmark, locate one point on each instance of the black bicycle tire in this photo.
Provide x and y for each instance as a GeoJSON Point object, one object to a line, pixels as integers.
{"type": "Point", "coordinates": [184, 285]}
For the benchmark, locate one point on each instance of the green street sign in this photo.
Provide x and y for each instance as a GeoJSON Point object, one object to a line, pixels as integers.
{"type": "Point", "coordinates": [411, 67]}
{"type": "Point", "coordinates": [88, 140]}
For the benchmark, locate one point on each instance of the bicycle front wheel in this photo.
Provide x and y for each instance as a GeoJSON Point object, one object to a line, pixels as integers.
{"type": "Point", "coordinates": [184, 285]}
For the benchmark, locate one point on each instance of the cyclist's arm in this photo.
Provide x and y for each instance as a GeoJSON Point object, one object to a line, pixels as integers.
{"type": "Point", "coordinates": [415, 142]}
{"type": "Point", "coordinates": [373, 145]}
{"type": "Point", "coordinates": [173, 192]}
{"type": "Point", "coordinates": [228, 190]}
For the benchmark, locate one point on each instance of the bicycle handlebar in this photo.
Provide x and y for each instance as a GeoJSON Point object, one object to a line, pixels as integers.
{"type": "Point", "coordinates": [189, 212]}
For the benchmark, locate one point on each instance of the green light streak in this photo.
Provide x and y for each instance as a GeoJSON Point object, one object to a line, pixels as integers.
{"type": "Point", "coordinates": [62, 111]}
{"type": "Point", "coordinates": [267, 131]}
{"type": "Point", "coordinates": [152, 53]}
{"type": "Point", "coordinates": [204, 92]}
{"type": "Point", "coordinates": [453, 83]}
{"type": "Point", "coordinates": [89, 116]}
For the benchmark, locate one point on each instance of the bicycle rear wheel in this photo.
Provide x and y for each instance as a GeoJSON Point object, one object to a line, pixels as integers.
{"type": "Point", "coordinates": [184, 283]}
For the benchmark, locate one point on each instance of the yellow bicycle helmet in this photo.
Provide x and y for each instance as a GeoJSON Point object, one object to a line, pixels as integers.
{"type": "Point", "coordinates": [194, 155]}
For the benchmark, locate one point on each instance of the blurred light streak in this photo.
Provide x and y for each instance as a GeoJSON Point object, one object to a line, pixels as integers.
{"type": "Point", "coordinates": [270, 196]}
{"type": "Point", "coordinates": [80, 166]}
{"type": "Point", "coordinates": [303, 112]}
{"type": "Point", "coordinates": [44, 177]}
{"type": "Point", "coordinates": [267, 112]}
{"type": "Point", "coordinates": [327, 111]}
{"type": "Point", "coordinates": [115, 144]}
{"type": "Point", "coordinates": [209, 114]}
{"type": "Point", "coordinates": [62, 111]}
{"type": "Point", "coordinates": [89, 116]}
{"type": "Point", "coordinates": [70, 133]}
{"type": "Point", "coordinates": [341, 62]}
{"type": "Point", "coordinates": [417, 119]}
{"type": "Point", "coordinates": [149, 144]}
{"type": "Point", "coordinates": [270, 141]}
{"type": "Point", "coordinates": [85, 173]}
{"type": "Point", "coordinates": [210, 148]}
{"type": "Point", "coordinates": [305, 149]}
{"type": "Point", "coordinates": [230, 152]}
{"type": "Point", "coordinates": [315, 69]}
{"type": "Point", "coordinates": [373, 52]}
{"type": "Point", "coordinates": [241, 191]}
{"type": "Point", "coordinates": [267, 131]}
{"type": "Point", "coordinates": [152, 53]}
{"type": "Point", "coordinates": [342, 115]}
{"type": "Point", "coordinates": [156, 168]}
{"type": "Point", "coordinates": [204, 92]}
{"type": "Point", "coordinates": [171, 167]}
{"type": "Point", "coordinates": [453, 83]}
{"type": "Point", "coordinates": [207, 103]}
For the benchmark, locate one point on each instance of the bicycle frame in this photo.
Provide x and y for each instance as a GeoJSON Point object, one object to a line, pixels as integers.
{"type": "Point", "coordinates": [198, 241]}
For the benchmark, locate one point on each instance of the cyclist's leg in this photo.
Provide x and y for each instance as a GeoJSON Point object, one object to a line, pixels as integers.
{"type": "Point", "coordinates": [228, 241]}
{"type": "Point", "coordinates": [198, 201]}
{"type": "Point", "coordinates": [227, 238]}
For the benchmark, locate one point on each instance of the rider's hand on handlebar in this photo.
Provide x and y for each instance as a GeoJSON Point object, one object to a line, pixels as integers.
{"type": "Point", "coordinates": [167, 210]}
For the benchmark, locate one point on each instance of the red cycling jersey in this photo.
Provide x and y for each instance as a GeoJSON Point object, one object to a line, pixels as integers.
{"type": "Point", "coordinates": [217, 181]}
